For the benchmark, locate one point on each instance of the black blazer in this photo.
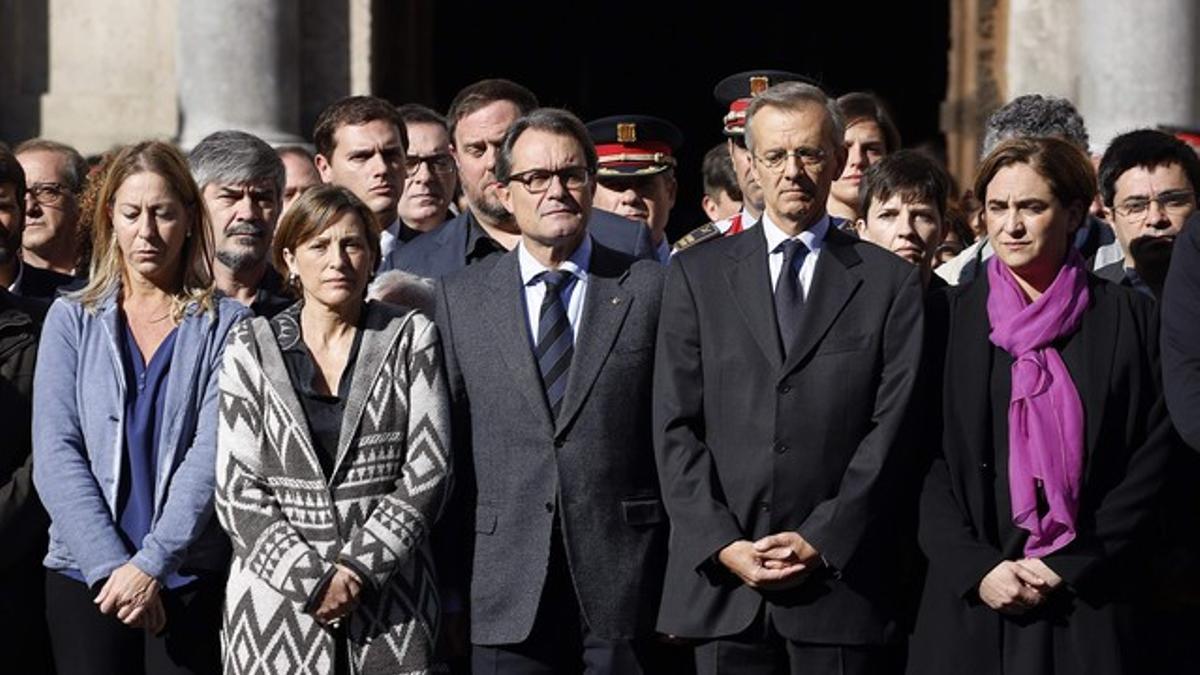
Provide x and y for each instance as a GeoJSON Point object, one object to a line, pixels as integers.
{"type": "Point", "coordinates": [750, 443]}
{"type": "Point", "coordinates": [1181, 333]}
{"type": "Point", "coordinates": [443, 251]}
{"type": "Point", "coordinates": [591, 469]}
{"type": "Point", "coordinates": [1113, 359]}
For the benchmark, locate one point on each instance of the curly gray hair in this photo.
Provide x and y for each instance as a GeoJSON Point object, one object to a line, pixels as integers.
{"type": "Point", "coordinates": [1035, 116]}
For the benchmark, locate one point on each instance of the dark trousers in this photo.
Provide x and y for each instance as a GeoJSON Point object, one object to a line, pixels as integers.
{"type": "Point", "coordinates": [761, 650]}
{"type": "Point", "coordinates": [560, 642]}
{"type": "Point", "coordinates": [86, 642]}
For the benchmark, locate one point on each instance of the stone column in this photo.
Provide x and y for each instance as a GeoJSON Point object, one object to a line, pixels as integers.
{"type": "Point", "coordinates": [238, 66]}
{"type": "Point", "coordinates": [1138, 65]}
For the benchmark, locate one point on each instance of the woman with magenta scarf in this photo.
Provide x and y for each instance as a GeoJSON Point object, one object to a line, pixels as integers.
{"type": "Point", "coordinates": [1048, 443]}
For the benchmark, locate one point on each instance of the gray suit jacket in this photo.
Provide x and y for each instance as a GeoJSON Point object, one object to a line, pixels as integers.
{"type": "Point", "coordinates": [593, 469]}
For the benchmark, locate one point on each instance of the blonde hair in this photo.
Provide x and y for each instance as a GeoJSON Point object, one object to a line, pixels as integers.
{"type": "Point", "coordinates": [107, 269]}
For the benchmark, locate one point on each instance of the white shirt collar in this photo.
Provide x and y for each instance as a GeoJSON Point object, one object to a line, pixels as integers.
{"type": "Point", "coordinates": [577, 265]}
{"type": "Point", "coordinates": [812, 238]}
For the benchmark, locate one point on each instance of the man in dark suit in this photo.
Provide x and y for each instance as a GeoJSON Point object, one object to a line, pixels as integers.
{"type": "Point", "coordinates": [1181, 335]}
{"type": "Point", "coordinates": [479, 116]}
{"type": "Point", "coordinates": [786, 359]}
{"type": "Point", "coordinates": [549, 351]}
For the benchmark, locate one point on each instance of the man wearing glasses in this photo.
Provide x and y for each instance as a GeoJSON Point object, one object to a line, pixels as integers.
{"type": "Point", "coordinates": [55, 174]}
{"type": "Point", "coordinates": [430, 177]}
{"type": "Point", "coordinates": [549, 352]}
{"type": "Point", "coordinates": [1148, 182]}
{"type": "Point", "coordinates": [786, 360]}
{"type": "Point", "coordinates": [17, 199]}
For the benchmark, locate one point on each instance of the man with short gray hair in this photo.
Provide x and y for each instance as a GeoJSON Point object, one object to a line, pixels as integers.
{"type": "Point", "coordinates": [785, 363]}
{"type": "Point", "coordinates": [55, 174]}
{"type": "Point", "coordinates": [1037, 116]}
{"type": "Point", "coordinates": [241, 179]}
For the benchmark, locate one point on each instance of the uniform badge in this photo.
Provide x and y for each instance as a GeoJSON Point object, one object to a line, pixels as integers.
{"type": "Point", "coordinates": [759, 84]}
{"type": "Point", "coordinates": [627, 132]}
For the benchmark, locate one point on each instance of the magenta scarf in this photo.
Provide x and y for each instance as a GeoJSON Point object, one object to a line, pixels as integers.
{"type": "Point", "coordinates": [1045, 413]}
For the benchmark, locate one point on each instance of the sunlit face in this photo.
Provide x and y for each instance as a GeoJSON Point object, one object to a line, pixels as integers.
{"type": "Point", "coordinates": [720, 207]}
{"type": "Point", "coordinates": [368, 159]}
{"type": "Point", "coordinates": [1027, 225]}
{"type": "Point", "coordinates": [743, 168]}
{"type": "Point", "coordinates": [795, 190]}
{"type": "Point", "coordinates": [647, 199]}
{"type": "Point", "coordinates": [910, 228]}
{"type": "Point", "coordinates": [429, 185]}
{"type": "Point", "coordinates": [335, 265]}
{"type": "Point", "coordinates": [865, 146]}
{"type": "Point", "coordinates": [477, 140]}
{"type": "Point", "coordinates": [51, 208]}
{"type": "Point", "coordinates": [1151, 205]}
{"type": "Point", "coordinates": [151, 225]}
{"type": "Point", "coordinates": [243, 221]}
{"type": "Point", "coordinates": [559, 215]}
{"type": "Point", "coordinates": [300, 176]}
{"type": "Point", "coordinates": [11, 219]}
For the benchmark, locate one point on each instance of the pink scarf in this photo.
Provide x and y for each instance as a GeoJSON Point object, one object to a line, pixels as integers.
{"type": "Point", "coordinates": [1045, 413]}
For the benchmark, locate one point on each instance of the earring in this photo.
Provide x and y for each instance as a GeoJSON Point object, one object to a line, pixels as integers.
{"type": "Point", "coordinates": [294, 279]}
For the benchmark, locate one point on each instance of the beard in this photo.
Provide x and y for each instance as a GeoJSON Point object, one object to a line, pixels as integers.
{"type": "Point", "coordinates": [492, 208]}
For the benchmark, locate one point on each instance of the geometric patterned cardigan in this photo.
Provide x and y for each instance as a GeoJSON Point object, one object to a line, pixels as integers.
{"type": "Point", "coordinates": [289, 525]}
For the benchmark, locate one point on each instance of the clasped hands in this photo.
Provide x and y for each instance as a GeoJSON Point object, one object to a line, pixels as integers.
{"type": "Point", "coordinates": [1017, 586]}
{"type": "Point", "coordinates": [775, 562]}
{"type": "Point", "coordinates": [340, 596]}
{"type": "Point", "coordinates": [133, 597]}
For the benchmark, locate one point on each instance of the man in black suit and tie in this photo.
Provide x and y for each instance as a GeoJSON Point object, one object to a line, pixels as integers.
{"type": "Point", "coordinates": [786, 358]}
{"type": "Point", "coordinates": [479, 117]}
{"type": "Point", "coordinates": [549, 350]}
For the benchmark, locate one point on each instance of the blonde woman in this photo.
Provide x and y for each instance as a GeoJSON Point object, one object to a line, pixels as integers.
{"type": "Point", "coordinates": [124, 432]}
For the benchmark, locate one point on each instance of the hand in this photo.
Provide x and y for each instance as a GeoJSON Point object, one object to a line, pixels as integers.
{"type": "Point", "coordinates": [1043, 572]}
{"type": "Point", "coordinates": [126, 594]}
{"type": "Point", "coordinates": [1011, 589]}
{"type": "Point", "coordinates": [154, 618]}
{"type": "Point", "coordinates": [744, 560]}
{"type": "Point", "coordinates": [340, 597]}
{"type": "Point", "coordinates": [781, 550]}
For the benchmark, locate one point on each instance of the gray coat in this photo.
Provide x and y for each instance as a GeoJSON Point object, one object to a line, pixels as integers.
{"type": "Point", "coordinates": [289, 524]}
{"type": "Point", "coordinates": [594, 467]}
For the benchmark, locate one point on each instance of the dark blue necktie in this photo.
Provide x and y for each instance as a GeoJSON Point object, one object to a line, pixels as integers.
{"type": "Point", "coordinates": [789, 296]}
{"type": "Point", "coordinates": [555, 342]}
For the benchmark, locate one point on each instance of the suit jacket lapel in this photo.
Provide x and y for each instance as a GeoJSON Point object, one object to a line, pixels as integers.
{"type": "Point", "coordinates": [506, 314]}
{"type": "Point", "coordinates": [834, 282]}
{"type": "Point", "coordinates": [967, 386]}
{"type": "Point", "coordinates": [1089, 358]}
{"type": "Point", "coordinates": [280, 382]}
{"type": "Point", "coordinates": [750, 281]}
{"type": "Point", "coordinates": [604, 311]}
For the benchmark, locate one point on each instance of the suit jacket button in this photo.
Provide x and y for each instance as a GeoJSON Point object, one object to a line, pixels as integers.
{"type": "Point", "coordinates": [549, 507]}
{"type": "Point", "coordinates": [764, 506]}
{"type": "Point", "coordinates": [781, 447]}
{"type": "Point", "coordinates": [784, 388]}
{"type": "Point", "coordinates": [558, 442]}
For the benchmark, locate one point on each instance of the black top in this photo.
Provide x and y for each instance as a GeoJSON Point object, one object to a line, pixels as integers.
{"type": "Point", "coordinates": [480, 245]}
{"type": "Point", "coordinates": [324, 412]}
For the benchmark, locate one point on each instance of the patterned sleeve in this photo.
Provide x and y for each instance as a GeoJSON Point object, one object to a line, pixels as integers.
{"type": "Point", "coordinates": [403, 519]}
{"type": "Point", "coordinates": [246, 503]}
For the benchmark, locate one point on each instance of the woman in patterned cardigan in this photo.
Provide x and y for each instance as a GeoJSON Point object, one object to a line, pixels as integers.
{"type": "Point", "coordinates": [332, 463]}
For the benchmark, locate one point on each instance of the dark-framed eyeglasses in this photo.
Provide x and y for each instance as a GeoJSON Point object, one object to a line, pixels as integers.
{"type": "Point", "coordinates": [538, 180]}
{"type": "Point", "coordinates": [439, 163]}
{"type": "Point", "coordinates": [773, 159]}
{"type": "Point", "coordinates": [47, 194]}
{"type": "Point", "coordinates": [1173, 203]}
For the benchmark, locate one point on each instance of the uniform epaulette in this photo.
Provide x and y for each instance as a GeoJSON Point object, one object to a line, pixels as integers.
{"type": "Point", "coordinates": [700, 234]}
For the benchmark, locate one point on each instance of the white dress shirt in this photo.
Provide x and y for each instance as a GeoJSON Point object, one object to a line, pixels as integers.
{"type": "Point", "coordinates": [573, 292]}
{"type": "Point", "coordinates": [813, 239]}
{"type": "Point", "coordinates": [387, 243]}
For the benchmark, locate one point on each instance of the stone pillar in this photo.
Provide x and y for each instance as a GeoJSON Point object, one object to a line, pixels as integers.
{"type": "Point", "coordinates": [1138, 65]}
{"type": "Point", "coordinates": [238, 67]}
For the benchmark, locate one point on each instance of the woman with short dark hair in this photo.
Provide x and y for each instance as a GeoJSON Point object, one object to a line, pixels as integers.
{"type": "Point", "coordinates": [333, 462]}
{"type": "Point", "coordinates": [1052, 443]}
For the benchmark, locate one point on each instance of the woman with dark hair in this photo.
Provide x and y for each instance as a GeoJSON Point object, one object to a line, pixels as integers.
{"type": "Point", "coordinates": [124, 432]}
{"type": "Point", "coordinates": [1051, 443]}
{"type": "Point", "coordinates": [870, 135]}
{"type": "Point", "coordinates": [333, 462]}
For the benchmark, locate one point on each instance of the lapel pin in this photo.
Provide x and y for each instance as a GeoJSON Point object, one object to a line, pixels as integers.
{"type": "Point", "coordinates": [616, 301]}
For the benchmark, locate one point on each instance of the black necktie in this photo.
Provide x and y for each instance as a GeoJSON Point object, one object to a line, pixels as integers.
{"type": "Point", "coordinates": [555, 342]}
{"type": "Point", "coordinates": [789, 296]}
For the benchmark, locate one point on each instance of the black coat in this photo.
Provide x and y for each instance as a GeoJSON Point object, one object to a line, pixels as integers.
{"type": "Point", "coordinates": [751, 443]}
{"type": "Point", "coordinates": [1181, 334]}
{"type": "Point", "coordinates": [1090, 626]}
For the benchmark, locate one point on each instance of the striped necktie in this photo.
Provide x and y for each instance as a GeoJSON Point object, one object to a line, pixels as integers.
{"type": "Point", "coordinates": [555, 342]}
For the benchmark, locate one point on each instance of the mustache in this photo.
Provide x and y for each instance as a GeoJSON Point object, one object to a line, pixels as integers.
{"type": "Point", "coordinates": [252, 229]}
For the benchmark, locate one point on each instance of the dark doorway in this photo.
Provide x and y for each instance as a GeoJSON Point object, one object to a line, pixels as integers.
{"type": "Point", "coordinates": [607, 58]}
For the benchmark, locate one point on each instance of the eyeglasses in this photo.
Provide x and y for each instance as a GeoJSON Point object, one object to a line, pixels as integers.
{"type": "Point", "coordinates": [441, 163]}
{"type": "Point", "coordinates": [47, 194]}
{"type": "Point", "coordinates": [1174, 203]}
{"type": "Point", "coordinates": [537, 181]}
{"type": "Point", "coordinates": [774, 159]}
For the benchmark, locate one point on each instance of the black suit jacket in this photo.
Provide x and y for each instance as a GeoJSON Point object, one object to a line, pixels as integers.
{"type": "Point", "coordinates": [1113, 360]}
{"type": "Point", "coordinates": [750, 443]}
{"type": "Point", "coordinates": [1181, 333]}
{"type": "Point", "coordinates": [443, 251]}
{"type": "Point", "coordinates": [591, 469]}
